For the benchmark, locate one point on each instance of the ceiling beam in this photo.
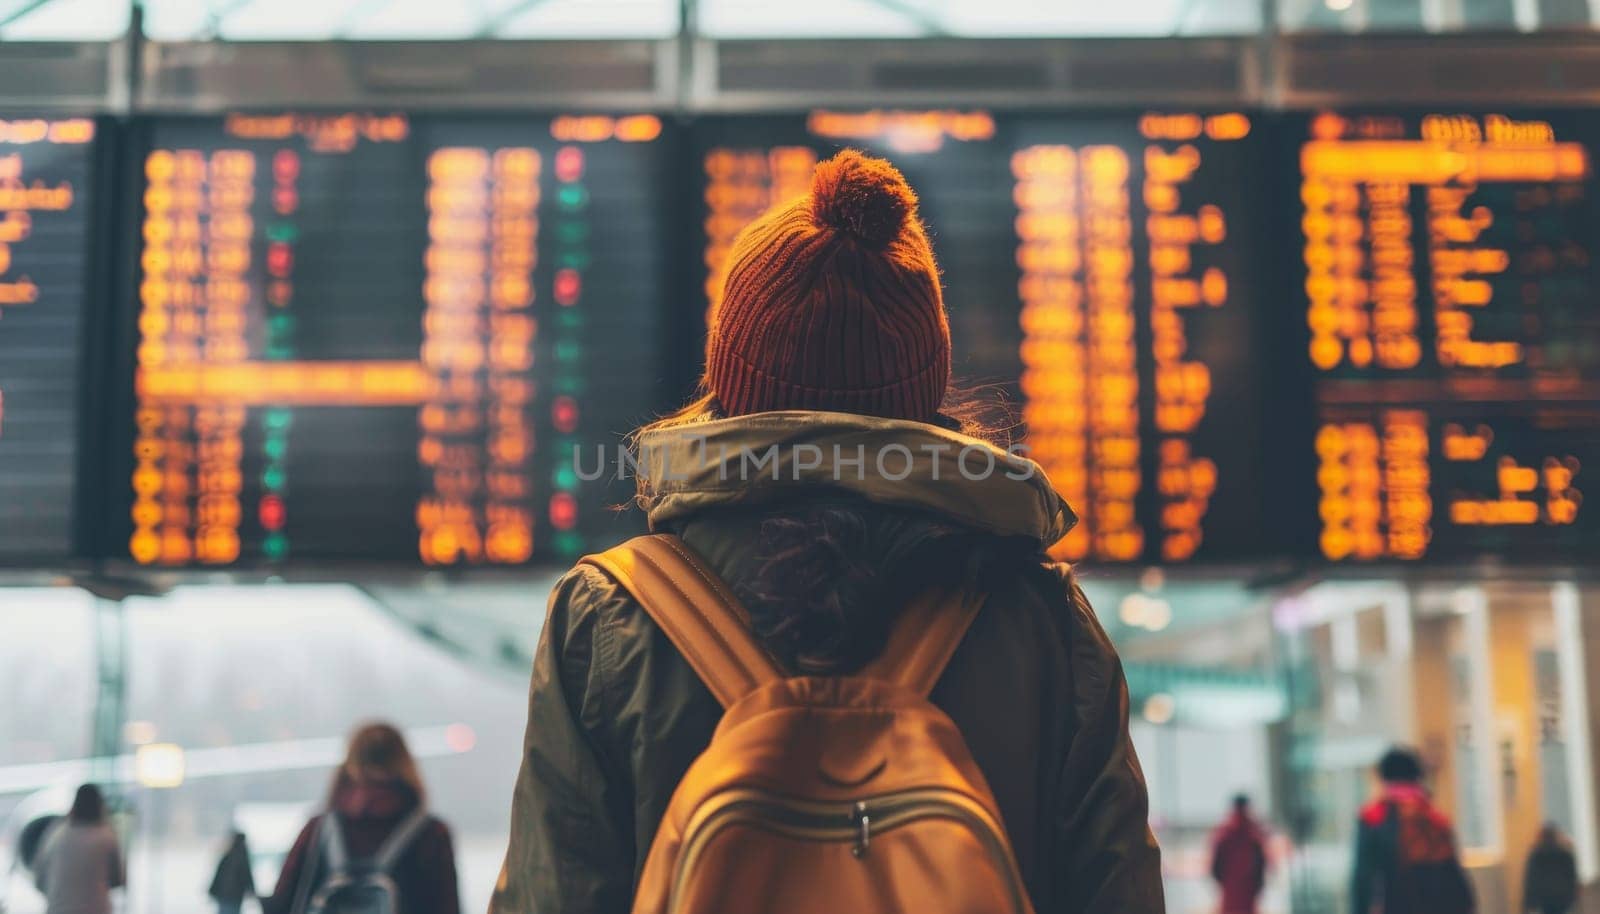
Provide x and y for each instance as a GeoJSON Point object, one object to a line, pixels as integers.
{"type": "Point", "coordinates": [23, 10]}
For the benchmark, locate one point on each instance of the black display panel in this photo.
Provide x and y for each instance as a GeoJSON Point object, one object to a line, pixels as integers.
{"type": "Point", "coordinates": [47, 168]}
{"type": "Point", "coordinates": [382, 337]}
{"type": "Point", "coordinates": [1453, 333]}
{"type": "Point", "coordinates": [1101, 270]}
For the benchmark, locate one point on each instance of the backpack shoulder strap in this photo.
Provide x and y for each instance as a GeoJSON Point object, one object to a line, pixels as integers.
{"type": "Point", "coordinates": [338, 856]}
{"type": "Point", "coordinates": [924, 638]}
{"type": "Point", "coordinates": [393, 846]}
{"type": "Point", "coordinates": [696, 611]}
{"type": "Point", "coordinates": [309, 864]}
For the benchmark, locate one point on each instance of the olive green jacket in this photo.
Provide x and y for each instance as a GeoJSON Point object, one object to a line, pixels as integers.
{"type": "Point", "coordinates": [616, 716]}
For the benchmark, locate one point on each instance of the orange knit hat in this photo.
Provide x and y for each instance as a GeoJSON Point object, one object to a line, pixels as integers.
{"type": "Point", "coordinates": [832, 303]}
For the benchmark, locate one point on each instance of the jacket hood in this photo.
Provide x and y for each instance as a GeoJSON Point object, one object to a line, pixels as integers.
{"type": "Point", "coordinates": [782, 455]}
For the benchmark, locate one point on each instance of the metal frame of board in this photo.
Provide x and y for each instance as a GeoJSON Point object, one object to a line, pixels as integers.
{"type": "Point", "coordinates": [691, 75]}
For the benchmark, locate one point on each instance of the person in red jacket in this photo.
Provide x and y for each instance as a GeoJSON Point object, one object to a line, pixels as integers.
{"type": "Point", "coordinates": [1239, 859]}
{"type": "Point", "coordinates": [374, 792]}
{"type": "Point", "coordinates": [1406, 860]}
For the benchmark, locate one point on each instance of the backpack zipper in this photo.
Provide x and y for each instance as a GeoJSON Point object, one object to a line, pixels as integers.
{"type": "Point", "coordinates": [839, 822]}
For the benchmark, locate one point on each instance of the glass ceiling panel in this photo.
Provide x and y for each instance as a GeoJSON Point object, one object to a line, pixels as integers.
{"type": "Point", "coordinates": [62, 20]}
{"type": "Point", "coordinates": [320, 20]}
{"type": "Point", "coordinates": [975, 18]}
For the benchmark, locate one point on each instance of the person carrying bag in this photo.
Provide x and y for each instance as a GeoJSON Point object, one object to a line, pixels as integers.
{"type": "Point", "coordinates": [351, 886]}
{"type": "Point", "coordinates": [822, 795]}
{"type": "Point", "coordinates": [844, 674]}
{"type": "Point", "coordinates": [376, 849]}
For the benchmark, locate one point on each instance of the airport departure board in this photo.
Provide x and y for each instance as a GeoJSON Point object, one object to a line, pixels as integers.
{"type": "Point", "coordinates": [1100, 267]}
{"type": "Point", "coordinates": [1454, 333]}
{"type": "Point", "coordinates": [380, 337]}
{"type": "Point", "coordinates": [46, 173]}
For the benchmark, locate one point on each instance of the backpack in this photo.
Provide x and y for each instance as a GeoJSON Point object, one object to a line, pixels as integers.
{"type": "Point", "coordinates": [1428, 878]}
{"type": "Point", "coordinates": [359, 886]}
{"type": "Point", "coordinates": [817, 795]}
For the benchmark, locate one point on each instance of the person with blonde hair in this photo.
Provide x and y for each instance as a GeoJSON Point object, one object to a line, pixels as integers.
{"type": "Point", "coordinates": [375, 836]}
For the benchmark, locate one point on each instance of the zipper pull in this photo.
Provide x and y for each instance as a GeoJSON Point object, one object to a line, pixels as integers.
{"type": "Point", "coordinates": [863, 829]}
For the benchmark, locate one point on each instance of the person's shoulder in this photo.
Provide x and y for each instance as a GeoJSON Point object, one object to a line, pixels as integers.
{"type": "Point", "coordinates": [53, 834]}
{"type": "Point", "coordinates": [1054, 587]}
{"type": "Point", "coordinates": [1028, 601]}
{"type": "Point", "coordinates": [585, 578]}
{"type": "Point", "coordinates": [433, 844]}
{"type": "Point", "coordinates": [588, 594]}
{"type": "Point", "coordinates": [1047, 607]}
{"type": "Point", "coordinates": [1374, 813]}
{"type": "Point", "coordinates": [436, 830]}
{"type": "Point", "coordinates": [313, 824]}
{"type": "Point", "coordinates": [1035, 583]}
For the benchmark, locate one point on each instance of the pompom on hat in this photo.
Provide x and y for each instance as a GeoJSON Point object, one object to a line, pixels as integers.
{"type": "Point", "coordinates": [832, 302]}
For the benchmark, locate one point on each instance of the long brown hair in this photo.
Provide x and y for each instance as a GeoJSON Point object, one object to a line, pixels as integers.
{"type": "Point", "coordinates": [88, 806]}
{"type": "Point", "coordinates": [378, 755]}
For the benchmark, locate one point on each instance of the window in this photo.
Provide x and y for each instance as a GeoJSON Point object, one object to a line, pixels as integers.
{"type": "Point", "coordinates": [975, 18]}
{"type": "Point", "coordinates": [316, 20]}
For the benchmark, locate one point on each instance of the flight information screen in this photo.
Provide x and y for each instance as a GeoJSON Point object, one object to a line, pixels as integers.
{"type": "Point", "coordinates": [373, 336]}
{"type": "Point", "coordinates": [1449, 293]}
{"type": "Point", "coordinates": [46, 173]}
{"type": "Point", "coordinates": [1100, 270]}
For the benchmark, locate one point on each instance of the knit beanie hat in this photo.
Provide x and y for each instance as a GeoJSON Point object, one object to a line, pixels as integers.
{"type": "Point", "coordinates": [832, 302]}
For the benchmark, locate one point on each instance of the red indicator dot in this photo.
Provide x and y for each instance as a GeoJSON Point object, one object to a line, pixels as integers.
{"type": "Point", "coordinates": [285, 199]}
{"type": "Point", "coordinates": [280, 259]}
{"type": "Point", "coordinates": [563, 511]}
{"type": "Point", "coordinates": [568, 286]}
{"type": "Point", "coordinates": [272, 512]}
{"type": "Point", "coordinates": [279, 291]}
{"type": "Point", "coordinates": [564, 413]}
{"type": "Point", "coordinates": [285, 166]}
{"type": "Point", "coordinates": [569, 163]}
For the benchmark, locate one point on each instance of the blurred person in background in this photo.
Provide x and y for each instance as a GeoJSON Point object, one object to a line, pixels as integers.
{"type": "Point", "coordinates": [1406, 861]}
{"type": "Point", "coordinates": [376, 800]}
{"type": "Point", "coordinates": [80, 861]}
{"type": "Point", "coordinates": [233, 881]}
{"type": "Point", "coordinates": [1239, 859]}
{"type": "Point", "coordinates": [831, 331]}
{"type": "Point", "coordinates": [1550, 880]}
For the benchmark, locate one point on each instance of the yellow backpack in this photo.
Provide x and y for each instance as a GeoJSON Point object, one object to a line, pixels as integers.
{"type": "Point", "coordinates": [818, 795]}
